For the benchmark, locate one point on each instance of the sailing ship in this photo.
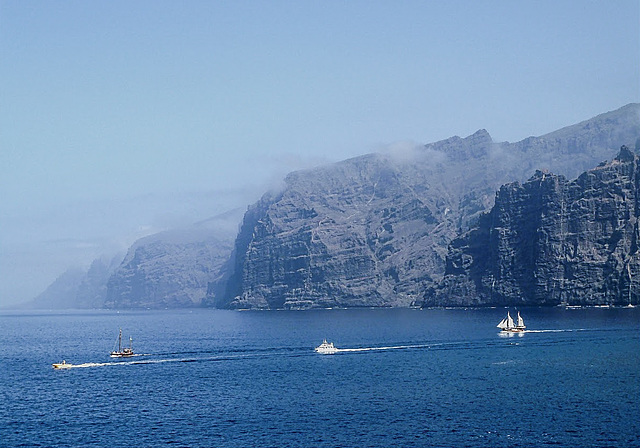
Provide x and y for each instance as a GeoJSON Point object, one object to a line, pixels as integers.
{"type": "Point", "coordinates": [507, 324]}
{"type": "Point", "coordinates": [122, 352]}
{"type": "Point", "coordinates": [326, 348]}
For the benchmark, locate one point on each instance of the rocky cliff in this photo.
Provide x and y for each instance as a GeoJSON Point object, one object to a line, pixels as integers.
{"type": "Point", "coordinates": [172, 269]}
{"type": "Point", "coordinates": [374, 230]}
{"type": "Point", "coordinates": [550, 241]}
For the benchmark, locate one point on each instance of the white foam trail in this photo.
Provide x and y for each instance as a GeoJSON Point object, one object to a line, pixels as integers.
{"type": "Point", "coordinates": [395, 347]}
{"type": "Point", "coordinates": [130, 363]}
{"type": "Point", "coordinates": [88, 364]}
{"type": "Point", "coordinates": [556, 331]}
{"type": "Point", "coordinates": [158, 361]}
{"type": "Point", "coordinates": [503, 363]}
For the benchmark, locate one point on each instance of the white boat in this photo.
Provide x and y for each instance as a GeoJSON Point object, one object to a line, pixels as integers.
{"type": "Point", "coordinates": [122, 352]}
{"type": "Point", "coordinates": [326, 348]}
{"type": "Point", "coordinates": [507, 324]}
{"type": "Point", "coordinates": [62, 365]}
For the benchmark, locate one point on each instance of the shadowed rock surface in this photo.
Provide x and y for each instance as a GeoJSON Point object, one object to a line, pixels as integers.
{"type": "Point", "coordinates": [550, 241]}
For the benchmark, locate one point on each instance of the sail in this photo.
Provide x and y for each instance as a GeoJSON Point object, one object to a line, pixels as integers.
{"type": "Point", "coordinates": [520, 321]}
{"type": "Point", "coordinates": [503, 324]}
{"type": "Point", "coordinates": [509, 321]}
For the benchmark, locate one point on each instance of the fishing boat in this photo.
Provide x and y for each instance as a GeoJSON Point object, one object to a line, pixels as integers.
{"type": "Point", "coordinates": [326, 348]}
{"type": "Point", "coordinates": [122, 352]}
{"type": "Point", "coordinates": [62, 365]}
{"type": "Point", "coordinates": [507, 324]}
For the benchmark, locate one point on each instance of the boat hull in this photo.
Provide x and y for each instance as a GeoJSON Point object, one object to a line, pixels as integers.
{"type": "Point", "coordinates": [326, 351]}
{"type": "Point", "coordinates": [122, 352]}
{"type": "Point", "coordinates": [120, 355]}
{"type": "Point", "coordinates": [62, 365]}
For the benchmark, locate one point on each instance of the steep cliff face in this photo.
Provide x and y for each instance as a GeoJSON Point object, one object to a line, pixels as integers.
{"type": "Point", "coordinates": [551, 241]}
{"type": "Point", "coordinates": [92, 291]}
{"type": "Point", "coordinates": [364, 232]}
{"type": "Point", "coordinates": [334, 236]}
{"type": "Point", "coordinates": [370, 231]}
{"type": "Point", "coordinates": [171, 269]}
{"type": "Point", "coordinates": [374, 230]}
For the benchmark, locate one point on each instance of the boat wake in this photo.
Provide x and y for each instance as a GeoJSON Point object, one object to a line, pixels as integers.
{"type": "Point", "coordinates": [231, 356]}
{"type": "Point", "coordinates": [147, 361]}
{"type": "Point", "coordinates": [295, 351]}
{"type": "Point", "coordinates": [556, 331]}
{"type": "Point", "coordinates": [504, 334]}
{"type": "Point", "coordinates": [395, 347]}
{"type": "Point", "coordinates": [131, 362]}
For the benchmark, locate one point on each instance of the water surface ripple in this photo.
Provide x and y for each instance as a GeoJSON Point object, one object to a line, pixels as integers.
{"type": "Point", "coordinates": [410, 378]}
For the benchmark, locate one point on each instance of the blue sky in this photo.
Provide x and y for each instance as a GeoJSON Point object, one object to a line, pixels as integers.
{"type": "Point", "coordinates": [118, 119]}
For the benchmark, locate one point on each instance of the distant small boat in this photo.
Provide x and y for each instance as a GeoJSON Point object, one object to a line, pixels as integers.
{"type": "Point", "coordinates": [122, 352]}
{"type": "Point", "coordinates": [507, 324]}
{"type": "Point", "coordinates": [326, 348]}
{"type": "Point", "coordinates": [62, 365]}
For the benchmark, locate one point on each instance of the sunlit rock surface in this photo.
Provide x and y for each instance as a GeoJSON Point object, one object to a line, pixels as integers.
{"type": "Point", "coordinates": [374, 230]}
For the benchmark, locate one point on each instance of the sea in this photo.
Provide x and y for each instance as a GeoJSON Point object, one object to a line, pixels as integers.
{"type": "Point", "coordinates": [403, 378]}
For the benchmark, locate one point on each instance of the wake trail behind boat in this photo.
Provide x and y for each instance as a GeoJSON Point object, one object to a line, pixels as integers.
{"type": "Point", "coordinates": [230, 356]}
{"type": "Point", "coordinates": [395, 347]}
{"type": "Point", "coordinates": [131, 363]}
{"type": "Point", "coordinates": [219, 357]}
{"type": "Point", "coordinates": [556, 331]}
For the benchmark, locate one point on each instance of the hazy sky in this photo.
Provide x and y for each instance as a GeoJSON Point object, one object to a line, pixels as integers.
{"type": "Point", "coordinates": [121, 118]}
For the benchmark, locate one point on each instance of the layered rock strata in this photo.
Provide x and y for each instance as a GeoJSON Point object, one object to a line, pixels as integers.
{"type": "Point", "coordinates": [374, 230]}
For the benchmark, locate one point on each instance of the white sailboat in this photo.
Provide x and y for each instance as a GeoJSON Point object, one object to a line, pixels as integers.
{"type": "Point", "coordinates": [507, 324]}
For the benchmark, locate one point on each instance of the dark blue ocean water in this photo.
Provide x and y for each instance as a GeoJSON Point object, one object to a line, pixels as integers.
{"type": "Point", "coordinates": [243, 379]}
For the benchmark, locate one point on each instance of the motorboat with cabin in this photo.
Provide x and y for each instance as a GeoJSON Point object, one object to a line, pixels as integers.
{"type": "Point", "coordinates": [326, 348]}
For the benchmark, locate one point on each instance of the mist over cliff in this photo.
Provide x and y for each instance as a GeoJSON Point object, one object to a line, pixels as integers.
{"type": "Point", "coordinates": [383, 229]}
{"type": "Point", "coordinates": [170, 269]}
{"type": "Point", "coordinates": [173, 269]}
